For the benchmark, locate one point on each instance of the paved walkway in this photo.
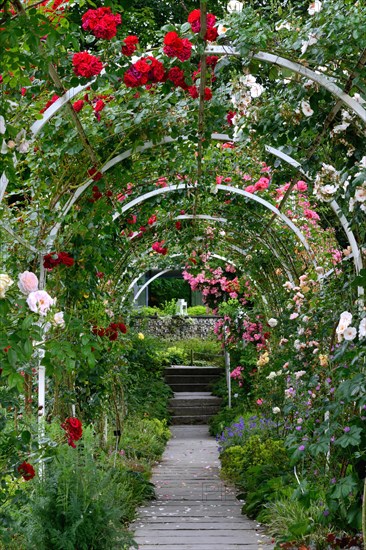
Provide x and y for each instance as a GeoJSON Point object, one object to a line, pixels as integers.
{"type": "Point", "coordinates": [194, 510]}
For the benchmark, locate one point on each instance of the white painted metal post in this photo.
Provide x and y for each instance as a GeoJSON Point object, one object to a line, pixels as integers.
{"type": "Point", "coordinates": [227, 368]}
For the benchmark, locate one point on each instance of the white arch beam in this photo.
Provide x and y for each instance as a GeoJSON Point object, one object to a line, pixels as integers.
{"type": "Point", "coordinates": [320, 79]}
{"type": "Point", "coordinates": [356, 252]}
{"type": "Point", "coordinates": [251, 196]}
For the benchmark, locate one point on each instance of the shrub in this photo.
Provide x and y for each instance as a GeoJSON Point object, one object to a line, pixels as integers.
{"type": "Point", "coordinates": [198, 310]}
{"type": "Point", "coordinates": [254, 452]}
{"type": "Point", "coordinates": [78, 503]}
{"type": "Point", "coordinates": [144, 438]}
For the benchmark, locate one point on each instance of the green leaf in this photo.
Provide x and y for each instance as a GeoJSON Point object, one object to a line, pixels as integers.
{"type": "Point", "coordinates": [351, 438]}
{"type": "Point", "coordinates": [299, 529]}
{"type": "Point", "coordinates": [26, 437]}
{"type": "Point", "coordinates": [344, 487]}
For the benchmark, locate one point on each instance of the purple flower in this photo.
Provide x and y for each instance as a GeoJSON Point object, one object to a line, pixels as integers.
{"type": "Point", "coordinates": [298, 428]}
{"type": "Point", "coordinates": [347, 429]}
{"type": "Point", "coordinates": [333, 481]}
{"type": "Point", "coordinates": [302, 448]}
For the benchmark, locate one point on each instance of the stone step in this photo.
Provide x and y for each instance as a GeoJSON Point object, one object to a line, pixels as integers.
{"type": "Point", "coordinates": [187, 370]}
{"type": "Point", "coordinates": [191, 379]}
{"type": "Point", "coordinates": [185, 420]}
{"type": "Point", "coordinates": [192, 411]}
{"type": "Point", "coordinates": [189, 387]}
{"type": "Point", "coordinates": [195, 401]}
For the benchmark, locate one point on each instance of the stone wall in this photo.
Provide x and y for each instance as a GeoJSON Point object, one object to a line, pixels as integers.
{"type": "Point", "coordinates": [177, 327]}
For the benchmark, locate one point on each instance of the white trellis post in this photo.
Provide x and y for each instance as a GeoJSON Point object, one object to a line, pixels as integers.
{"type": "Point", "coordinates": [41, 372]}
{"type": "Point", "coordinates": [227, 367]}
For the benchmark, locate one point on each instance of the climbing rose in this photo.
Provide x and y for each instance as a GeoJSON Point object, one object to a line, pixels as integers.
{"type": "Point", "coordinates": [147, 69]}
{"type": "Point", "coordinates": [86, 64]}
{"type": "Point", "coordinates": [40, 302]}
{"type": "Point", "coordinates": [26, 470]}
{"type": "Point", "coordinates": [55, 258]}
{"type": "Point", "coordinates": [102, 23]}
{"type": "Point", "coordinates": [208, 94]}
{"type": "Point", "coordinates": [158, 247]}
{"type": "Point", "coordinates": [5, 283]}
{"type": "Point", "coordinates": [78, 105]}
{"type": "Point", "coordinates": [28, 282]}
{"type": "Point", "coordinates": [193, 92]}
{"type": "Point", "coordinates": [130, 44]}
{"type": "Point", "coordinates": [176, 75]}
{"type": "Point", "coordinates": [99, 106]}
{"type": "Point", "coordinates": [194, 18]}
{"type": "Point", "coordinates": [50, 102]}
{"type": "Point", "coordinates": [174, 46]}
{"type": "Point", "coordinates": [73, 429]}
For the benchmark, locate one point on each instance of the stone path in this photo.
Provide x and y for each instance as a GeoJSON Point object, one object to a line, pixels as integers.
{"type": "Point", "coordinates": [194, 510]}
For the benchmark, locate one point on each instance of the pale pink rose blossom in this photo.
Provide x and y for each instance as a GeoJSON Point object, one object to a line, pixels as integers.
{"type": "Point", "coordinates": [350, 333]}
{"type": "Point", "coordinates": [293, 316]}
{"type": "Point", "coordinates": [362, 328]}
{"type": "Point", "coordinates": [28, 282]}
{"type": "Point", "coordinates": [40, 302]}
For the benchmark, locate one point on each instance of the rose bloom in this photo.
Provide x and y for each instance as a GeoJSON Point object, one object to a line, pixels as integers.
{"type": "Point", "coordinates": [360, 194]}
{"type": "Point", "coordinates": [350, 333]}
{"type": "Point", "coordinates": [344, 322]}
{"type": "Point", "coordinates": [362, 328]}
{"type": "Point", "coordinates": [101, 22]}
{"type": "Point", "coordinates": [315, 7]}
{"type": "Point", "coordinates": [272, 322]}
{"type": "Point", "coordinates": [5, 283]}
{"type": "Point", "coordinates": [40, 302]}
{"type": "Point", "coordinates": [58, 319]}
{"type": "Point", "coordinates": [28, 282]}
{"type": "Point", "coordinates": [276, 410]}
{"type": "Point", "coordinates": [26, 470]}
{"type": "Point", "coordinates": [86, 65]}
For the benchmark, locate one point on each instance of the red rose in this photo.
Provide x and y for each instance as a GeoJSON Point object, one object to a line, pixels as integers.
{"type": "Point", "coordinates": [194, 18]}
{"type": "Point", "coordinates": [73, 429]}
{"type": "Point", "coordinates": [132, 220]}
{"type": "Point", "coordinates": [94, 174]}
{"type": "Point", "coordinates": [211, 60]}
{"type": "Point", "coordinates": [78, 105]}
{"type": "Point", "coordinates": [177, 47]}
{"type": "Point", "coordinates": [176, 75]}
{"type": "Point", "coordinates": [178, 225]}
{"type": "Point", "coordinates": [152, 219]}
{"type": "Point", "coordinates": [130, 45]}
{"type": "Point", "coordinates": [86, 65]}
{"type": "Point", "coordinates": [101, 22]}
{"type": "Point", "coordinates": [26, 470]}
{"type": "Point", "coordinates": [65, 259]}
{"type": "Point", "coordinates": [229, 117]}
{"type": "Point", "coordinates": [99, 106]}
{"type": "Point", "coordinates": [193, 92]}
{"type": "Point", "coordinates": [208, 94]}
{"type": "Point", "coordinates": [122, 328]}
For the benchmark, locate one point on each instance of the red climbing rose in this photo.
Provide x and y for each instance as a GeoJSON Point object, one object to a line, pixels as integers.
{"type": "Point", "coordinates": [78, 105]}
{"type": "Point", "coordinates": [55, 258]}
{"type": "Point", "coordinates": [176, 75]}
{"type": "Point", "coordinates": [102, 23]}
{"type": "Point", "coordinates": [147, 69]}
{"type": "Point", "coordinates": [86, 65]}
{"type": "Point", "coordinates": [26, 470]}
{"type": "Point", "coordinates": [158, 247]}
{"type": "Point", "coordinates": [73, 429]}
{"type": "Point", "coordinates": [194, 18]}
{"type": "Point", "coordinates": [130, 45]}
{"type": "Point", "coordinates": [174, 46]}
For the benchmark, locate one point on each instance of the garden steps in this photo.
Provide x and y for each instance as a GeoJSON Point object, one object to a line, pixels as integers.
{"type": "Point", "coordinates": [194, 509]}
{"type": "Point", "coordinates": [192, 402]}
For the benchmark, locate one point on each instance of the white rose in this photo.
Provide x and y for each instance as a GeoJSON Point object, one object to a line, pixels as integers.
{"type": "Point", "coordinates": [360, 194]}
{"type": "Point", "coordinates": [58, 319]}
{"type": "Point", "coordinates": [349, 333]}
{"type": "Point", "coordinates": [276, 410]}
{"type": "Point", "coordinates": [362, 328]}
{"type": "Point", "coordinates": [235, 6]}
{"type": "Point", "coordinates": [272, 322]}
{"type": "Point", "coordinates": [315, 7]}
{"type": "Point", "coordinates": [306, 109]}
{"type": "Point", "coordinates": [344, 322]}
{"type": "Point", "coordinates": [5, 283]}
{"type": "Point", "coordinates": [256, 90]}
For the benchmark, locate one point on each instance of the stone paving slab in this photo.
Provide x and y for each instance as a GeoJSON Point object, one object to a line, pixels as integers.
{"type": "Point", "coordinates": [194, 510]}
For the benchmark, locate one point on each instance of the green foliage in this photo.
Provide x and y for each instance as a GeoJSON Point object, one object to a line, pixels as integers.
{"type": "Point", "coordinates": [144, 438]}
{"type": "Point", "coordinates": [166, 290]}
{"type": "Point", "coordinates": [236, 460]}
{"type": "Point", "coordinates": [78, 504]}
{"type": "Point", "coordinates": [195, 311]}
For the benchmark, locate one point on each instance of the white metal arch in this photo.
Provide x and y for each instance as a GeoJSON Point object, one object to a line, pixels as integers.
{"type": "Point", "coordinates": [356, 252]}
{"type": "Point", "coordinates": [325, 82]}
{"type": "Point", "coordinates": [226, 188]}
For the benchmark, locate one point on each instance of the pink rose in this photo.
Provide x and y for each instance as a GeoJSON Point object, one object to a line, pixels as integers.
{"type": "Point", "coordinates": [40, 302]}
{"type": "Point", "coordinates": [28, 282]}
